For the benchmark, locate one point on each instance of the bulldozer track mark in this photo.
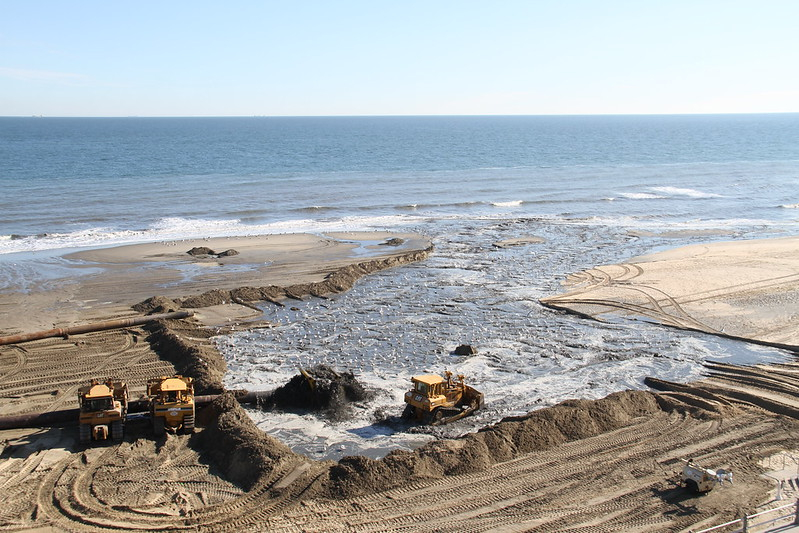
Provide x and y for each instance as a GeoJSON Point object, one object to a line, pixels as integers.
{"type": "Point", "coordinates": [526, 499]}
{"type": "Point", "coordinates": [20, 362]}
{"type": "Point", "coordinates": [620, 280]}
{"type": "Point", "coordinates": [665, 318]}
{"type": "Point", "coordinates": [28, 466]}
{"type": "Point", "coordinates": [77, 494]}
{"type": "Point", "coordinates": [536, 468]}
{"type": "Point", "coordinates": [756, 286]}
{"type": "Point", "coordinates": [680, 318]}
{"type": "Point", "coordinates": [257, 508]}
{"type": "Point", "coordinates": [66, 366]}
{"type": "Point", "coordinates": [680, 314]}
{"type": "Point", "coordinates": [92, 492]}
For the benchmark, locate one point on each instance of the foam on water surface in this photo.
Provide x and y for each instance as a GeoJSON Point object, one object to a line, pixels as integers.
{"type": "Point", "coordinates": [407, 321]}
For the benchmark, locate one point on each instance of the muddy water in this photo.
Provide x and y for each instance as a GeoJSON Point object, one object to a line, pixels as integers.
{"type": "Point", "coordinates": [408, 320]}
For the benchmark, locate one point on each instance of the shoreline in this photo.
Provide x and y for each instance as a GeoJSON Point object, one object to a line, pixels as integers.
{"type": "Point", "coordinates": [121, 276]}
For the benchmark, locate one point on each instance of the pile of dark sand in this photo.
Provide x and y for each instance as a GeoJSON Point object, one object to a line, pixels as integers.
{"type": "Point", "coordinates": [157, 304]}
{"type": "Point", "coordinates": [191, 350]}
{"type": "Point", "coordinates": [232, 442]}
{"type": "Point", "coordinates": [506, 440]}
{"type": "Point", "coordinates": [340, 280]}
{"type": "Point", "coordinates": [200, 251]}
{"type": "Point", "coordinates": [327, 392]}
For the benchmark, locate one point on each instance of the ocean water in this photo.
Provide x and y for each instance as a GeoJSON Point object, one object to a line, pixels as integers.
{"type": "Point", "coordinates": [597, 190]}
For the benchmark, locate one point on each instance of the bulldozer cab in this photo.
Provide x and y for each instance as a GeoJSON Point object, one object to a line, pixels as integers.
{"type": "Point", "coordinates": [428, 385]}
{"type": "Point", "coordinates": [170, 390]}
{"type": "Point", "coordinates": [103, 408]}
{"type": "Point", "coordinates": [171, 403]}
{"type": "Point", "coordinates": [100, 396]}
{"type": "Point", "coordinates": [98, 404]}
{"type": "Point", "coordinates": [433, 386]}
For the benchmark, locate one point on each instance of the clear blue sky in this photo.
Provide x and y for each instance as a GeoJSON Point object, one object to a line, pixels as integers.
{"type": "Point", "coordinates": [400, 57]}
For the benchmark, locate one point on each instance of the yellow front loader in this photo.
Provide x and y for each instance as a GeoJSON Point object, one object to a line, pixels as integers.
{"type": "Point", "coordinates": [171, 403]}
{"type": "Point", "coordinates": [103, 408]}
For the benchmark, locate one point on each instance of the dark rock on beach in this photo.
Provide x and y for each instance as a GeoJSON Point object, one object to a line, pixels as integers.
{"type": "Point", "coordinates": [465, 349]}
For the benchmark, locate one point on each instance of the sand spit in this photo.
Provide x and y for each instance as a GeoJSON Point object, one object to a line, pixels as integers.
{"type": "Point", "coordinates": [740, 289]}
{"type": "Point", "coordinates": [93, 285]}
{"type": "Point", "coordinates": [608, 464]}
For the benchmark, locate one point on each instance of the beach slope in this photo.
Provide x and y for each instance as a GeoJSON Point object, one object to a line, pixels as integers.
{"type": "Point", "coordinates": [741, 289]}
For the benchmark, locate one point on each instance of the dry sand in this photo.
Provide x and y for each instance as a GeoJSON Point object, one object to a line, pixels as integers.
{"type": "Point", "coordinates": [744, 289]}
{"type": "Point", "coordinates": [606, 465]}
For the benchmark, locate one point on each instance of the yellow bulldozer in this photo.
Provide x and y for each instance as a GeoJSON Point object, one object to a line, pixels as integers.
{"type": "Point", "coordinates": [439, 400]}
{"type": "Point", "coordinates": [171, 403]}
{"type": "Point", "coordinates": [103, 408]}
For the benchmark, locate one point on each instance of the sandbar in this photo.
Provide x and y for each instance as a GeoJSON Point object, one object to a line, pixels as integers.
{"type": "Point", "coordinates": [108, 281]}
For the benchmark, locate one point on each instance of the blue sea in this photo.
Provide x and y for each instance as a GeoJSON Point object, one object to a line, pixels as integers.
{"type": "Point", "coordinates": [596, 189]}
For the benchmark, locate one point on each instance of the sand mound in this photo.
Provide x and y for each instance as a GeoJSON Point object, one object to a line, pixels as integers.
{"type": "Point", "coordinates": [324, 390]}
{"type": "Point", "coordinates": [232, 441]}
{"type": "Point", "coordinates": [157, 304]}
{"type": "Point", "coordinates": [188, 348]}
{"type": "Point", "coordinates": [337, 281]}
{"type": "Point", "coordinates": [201, 250]}
{"type": "Point", "coordinates": [569, 420]}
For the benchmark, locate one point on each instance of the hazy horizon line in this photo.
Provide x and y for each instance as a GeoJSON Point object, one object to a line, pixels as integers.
{"type": "Point", "coordinates": [419, 115]}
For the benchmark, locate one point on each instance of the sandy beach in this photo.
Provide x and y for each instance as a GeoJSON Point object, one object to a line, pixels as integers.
{"type": "Point", "coordinates": [611, 464]}
{"type": "Point", "coordinates": [124, 275]}
{"type": "Point", "coordinates": [744, 289]}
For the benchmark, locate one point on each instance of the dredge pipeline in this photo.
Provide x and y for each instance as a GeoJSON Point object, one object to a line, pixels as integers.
{"type": "Point", "coordinates": [87, 328]}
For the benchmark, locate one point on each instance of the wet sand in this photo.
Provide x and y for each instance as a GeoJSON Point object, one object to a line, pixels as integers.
{"type": "Point", "coordinates": [124, 275]}
{"type": "Point", "coordinates": [611, 464]}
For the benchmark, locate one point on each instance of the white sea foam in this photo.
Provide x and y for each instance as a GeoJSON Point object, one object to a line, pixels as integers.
{"type": "Point", "coordinates": [175, 228]}
{"type": "Point", "coordinates": [790, 206]}
{"type": "Point", "coordinates": [641, 196]}
{"type": "Point", "coordinates": [513, 203]}
{"type": "Point", "coordinates": [679, 191]}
